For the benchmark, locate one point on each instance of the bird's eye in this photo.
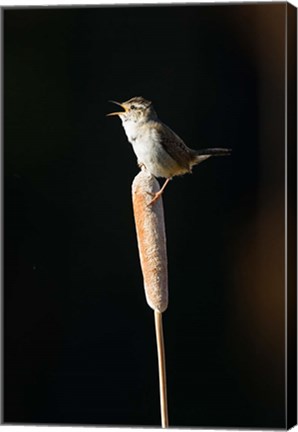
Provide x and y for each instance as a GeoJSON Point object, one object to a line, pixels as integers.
{"type": "Point", "coordinates": [132, 107]}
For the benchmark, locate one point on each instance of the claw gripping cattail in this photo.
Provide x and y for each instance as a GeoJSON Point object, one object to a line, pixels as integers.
{"type": "Point", "coordinates": [150, 227]}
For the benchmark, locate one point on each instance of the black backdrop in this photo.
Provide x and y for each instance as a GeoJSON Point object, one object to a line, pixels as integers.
{"type": "Point", "coordinates": [79, 336]}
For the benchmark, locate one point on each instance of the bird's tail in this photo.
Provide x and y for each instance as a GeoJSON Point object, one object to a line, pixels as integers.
{"type": "Point", "coordinates": [201, 155]}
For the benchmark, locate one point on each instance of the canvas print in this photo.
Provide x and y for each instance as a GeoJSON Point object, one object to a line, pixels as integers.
{"type": "Point", "coordinates": [149, 224]}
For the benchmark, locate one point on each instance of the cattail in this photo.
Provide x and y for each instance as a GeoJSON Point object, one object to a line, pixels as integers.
{"type": "Point", "coordinates": [150, 227]}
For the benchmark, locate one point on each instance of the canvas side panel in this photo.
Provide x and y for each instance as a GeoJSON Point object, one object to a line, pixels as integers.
{"type": "Point", "coordinates": [292, 215]}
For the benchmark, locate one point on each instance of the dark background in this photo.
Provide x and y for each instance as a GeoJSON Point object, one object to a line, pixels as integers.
{"type": "Point", "coordinates": [78, 335]}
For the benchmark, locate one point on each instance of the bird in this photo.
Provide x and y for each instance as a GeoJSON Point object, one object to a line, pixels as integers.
{"type": "Point", "coordinates": [158, 149]}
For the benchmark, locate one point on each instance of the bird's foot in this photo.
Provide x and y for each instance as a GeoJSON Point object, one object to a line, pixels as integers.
{"type": "Point", "coordinates": [158, 194]}
{"type": "Point", "coordinates": [155, 196]}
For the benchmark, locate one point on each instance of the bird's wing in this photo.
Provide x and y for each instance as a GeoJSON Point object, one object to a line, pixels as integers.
{"type": "Point", "coordinates": [174, 145]}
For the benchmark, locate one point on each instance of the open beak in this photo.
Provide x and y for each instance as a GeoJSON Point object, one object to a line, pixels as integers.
{"type": "Point", "coordinates": [118, 112]}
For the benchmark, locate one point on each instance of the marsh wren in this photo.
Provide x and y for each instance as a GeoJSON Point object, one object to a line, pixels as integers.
{"type": "Point", "coordinates": [158, 149]}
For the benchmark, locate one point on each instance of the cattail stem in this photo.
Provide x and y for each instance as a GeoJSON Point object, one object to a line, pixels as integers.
{"type": "Point", "coordinates": [161, 369]}
{"type": "Point", "coordinates": [150, 228]}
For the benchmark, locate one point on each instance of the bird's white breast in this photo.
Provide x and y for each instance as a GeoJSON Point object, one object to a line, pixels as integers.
{"type": "Point", "coordinates": [148, 149]}
{"type": "Point", "coordinates": [131, 129]}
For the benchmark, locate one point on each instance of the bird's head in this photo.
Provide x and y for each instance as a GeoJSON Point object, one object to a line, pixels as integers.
{"type": "Point", "coordinates": [136, 110]}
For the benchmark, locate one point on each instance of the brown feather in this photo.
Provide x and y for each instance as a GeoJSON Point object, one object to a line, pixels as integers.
{"type": "Point", "coordinates": [174, 146]}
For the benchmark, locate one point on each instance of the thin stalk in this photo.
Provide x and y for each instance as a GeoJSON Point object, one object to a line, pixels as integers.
{"type": "Point", "coordinates": [161, 369]}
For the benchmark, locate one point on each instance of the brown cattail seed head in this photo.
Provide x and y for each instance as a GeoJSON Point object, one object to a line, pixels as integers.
{"type": "Point", "coordinates": [150, 227]}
